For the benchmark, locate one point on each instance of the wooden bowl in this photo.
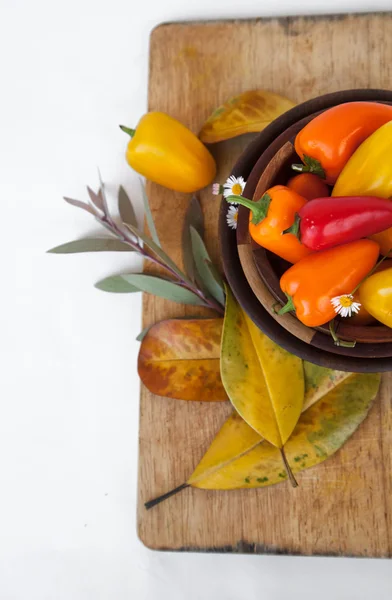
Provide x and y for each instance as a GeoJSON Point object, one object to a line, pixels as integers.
{"type": "Point", "coordinates": [270, 267]}
{"type": "Point", "coordinates": [308, 343]}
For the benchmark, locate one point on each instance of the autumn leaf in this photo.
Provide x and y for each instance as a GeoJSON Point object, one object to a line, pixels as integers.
{"type": "Point", "coordinates": [250, 111]}
{"type": "Point", "coordinates": [319, 381]}
{"type": "Point", "coordinates": [239, 458]}
{"type": "Point", "coordinates": [180, 359]}
{"type": "Point", "coordinates": [320, 432]}
{"type": "Point", "coordinates": [265, 383]}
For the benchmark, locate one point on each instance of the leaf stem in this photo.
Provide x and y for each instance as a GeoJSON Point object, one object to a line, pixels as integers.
{"type": "Point", "coordinates": [181, 280]}
{"type": "Point", "coordinates": [289, 472]}
{"type": "Point", "coordinates": [155, 501]}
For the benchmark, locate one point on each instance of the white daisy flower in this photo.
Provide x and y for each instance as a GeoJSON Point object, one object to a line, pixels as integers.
{"type": "Point", "coordinates": [234, 186]}
{"type": "Point", "coordinates": [345, 306]}
{"type": "Point", "coordinates": [232, 217]}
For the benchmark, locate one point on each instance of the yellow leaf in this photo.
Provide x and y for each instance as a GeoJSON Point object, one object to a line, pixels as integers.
{"type": "Point", "coordinates": [265, 383]}
{"type": "Point", "coordinates": [319, 381]}
{"type": "Point", "coordinates": [320, 432]}
{"type": "Point", "coordinates": [250, 111]}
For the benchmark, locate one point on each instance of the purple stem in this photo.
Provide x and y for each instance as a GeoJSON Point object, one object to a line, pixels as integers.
{"type": "Point", "coordinates": [208, 302]}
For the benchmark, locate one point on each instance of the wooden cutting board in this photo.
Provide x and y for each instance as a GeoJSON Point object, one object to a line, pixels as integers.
{"type": "Point", "coordinates": [344, 506]}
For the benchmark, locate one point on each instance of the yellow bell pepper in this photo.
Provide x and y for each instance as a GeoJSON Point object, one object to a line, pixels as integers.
{"type": "Point", "coordinates": [375, 295]}
{"type": "Point", "coordinates": [166, 152]}
{"type": "Point", "coordinates": [369, 173]}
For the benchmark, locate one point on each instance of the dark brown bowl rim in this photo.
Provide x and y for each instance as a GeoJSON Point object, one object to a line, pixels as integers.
{"type": "Point", "coordinates": [231, 263]}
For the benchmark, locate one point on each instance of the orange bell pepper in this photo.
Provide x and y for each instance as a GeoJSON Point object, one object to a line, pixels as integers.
{"type": "Point", "coordinates": [311, 284]}
{"type": "Point", "coordinates": [309, 186]}
{"type": "Point", "coordinates": [270, 216]}
{"type": "Point", "coordinates": [327, 142]}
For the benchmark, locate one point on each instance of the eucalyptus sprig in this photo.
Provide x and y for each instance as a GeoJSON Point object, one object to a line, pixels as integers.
{"type": "Point", "coordinates": [200, 287]}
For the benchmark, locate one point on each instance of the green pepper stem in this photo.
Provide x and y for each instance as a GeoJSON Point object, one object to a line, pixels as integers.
{"type": "Point", "coordinates": [337, 341]}
{"type": "Point", "coordinates": [128, 130]}
{"type": "Point", "coordinates": [259, 208]}
{"type": "Point", "coordinates": [294, 229]}
{"type": "Point", "coordinates": [311, 165]}
{"type": "Point", "coordinates": [288, 307]}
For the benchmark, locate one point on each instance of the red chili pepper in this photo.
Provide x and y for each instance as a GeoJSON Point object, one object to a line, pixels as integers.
{"type": "Point", "coordinates": [327, 222]}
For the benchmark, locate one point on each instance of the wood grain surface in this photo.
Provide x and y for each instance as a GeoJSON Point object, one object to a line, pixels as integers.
{"type": "Point", "coordinates": [344, 506]}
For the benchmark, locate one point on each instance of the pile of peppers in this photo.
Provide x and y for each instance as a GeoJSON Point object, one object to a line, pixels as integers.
{"type": "Point", "coordinates": [334, 219]}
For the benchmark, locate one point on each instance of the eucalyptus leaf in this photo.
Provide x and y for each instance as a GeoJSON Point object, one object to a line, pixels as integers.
{"type": "Point", "coordinates": [201, 257]}
{"type": "Point", "coordinates": [97, 199]}
{"type": "Point", "coordinates": [215, 273]}
{"type": "Point", "coordinates": [157, 250]}
{"type": "Point", "coordinates": [151, 285]}
{"type": "Point", "coordinates": [193, 217]}
{"type": "Point", "coordinates": [92, 245]}
{"type": "Point", "coordinates": [116, 284]}
{"type": "Point", "coordinates": [82, 205]}
{"type": "Point", "coordinates": [149, 218]}
{"type": "Point", "coordinates": [103, 195]}
{"type": "Point", "coordinates": [125, 208]}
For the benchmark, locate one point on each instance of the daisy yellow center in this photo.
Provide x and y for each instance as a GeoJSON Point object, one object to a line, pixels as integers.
{"type": "Point", "coordinates": [345, 301]}
{"type": "Point", "coordinates": [236, 189]}
{"type": "Point", "coordinates": [235, 216]}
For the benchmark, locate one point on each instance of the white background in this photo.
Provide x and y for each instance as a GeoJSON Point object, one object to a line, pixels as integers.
{"type": "Point", "coordinates": [71, 71]}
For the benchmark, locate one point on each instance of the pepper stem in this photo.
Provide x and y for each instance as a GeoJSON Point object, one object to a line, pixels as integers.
{"type": "Point", "coordinates": [259, 208]}
{"type": "Point", "coordinates": [288, 307]}
{"type": "Point", "coordinates": [294, 229]}
{"type": "Point", "coordinates": [311, 165]}
{"type": "Point", "coordinates": [337, 341]}
{"type": "Point", "coordinates": [128, 130]}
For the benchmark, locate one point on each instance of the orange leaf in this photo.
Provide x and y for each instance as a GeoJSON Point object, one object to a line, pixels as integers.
{"type": "Point", "coordinates": [180, 359]}
{"type": "Point", "coordinates": [250, 111]}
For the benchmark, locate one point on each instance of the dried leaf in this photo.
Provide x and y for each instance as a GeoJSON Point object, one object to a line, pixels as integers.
{"type": "Point", "coordinates": [125, 208]}
{"type": "Point", "coordinates": [151, 285]}
{"type": "Point", "coordinates": [149, 217]}
{"type": "Point", "coordinates": [264, 382]}
{"type": "Point", "coordinates": [180, 359]}
{"type": "Point", "coordinates": [250, 111]}
{"type": "Point", "coordinates": [193, 217]}
{"type": "Point", "coordinates": [201, 257]}
{"type": "Point", "coordinates": [320, 432]}
{"type": "Point", "coordinates": [92, 245]}
{"type": "Point", "coordinates": [319, 381]}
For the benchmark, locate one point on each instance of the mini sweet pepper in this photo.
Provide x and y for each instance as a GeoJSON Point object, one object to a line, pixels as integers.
{"type": "Point", "coordinates": [369, 171]}
{"type": "Point", "coordinates": [327, 222]}
{"type": "Point", "coordinates": [270, 216]}
{"type": "Point", "coordinates": [327, 142]}
{"type": "Point", "coordinates": [376, 296]}
{"type": "Point", "coordinates": [166, 152]}
{"type": "Point", "coordinates": [312, 283]}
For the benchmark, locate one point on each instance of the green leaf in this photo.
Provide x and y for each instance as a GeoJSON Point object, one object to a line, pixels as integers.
{"type": "Point", "coordinates": [151, 285]}
{"type": "Point", "coordinates": [116, 284]}
{"type": "Point", "coordinates": [194, 218]}
{"type": "Point", "coordinates": [201, 257]}
{"type": "Point", "coordinates": [215, 273]}
{"type": "Point", "coordinates": [125, 208]}
{"type": "Point", "coordinates": [92, 245]}
{"type": "Point", "coordinates": [149, 219]}
{"type": "Point", "coordinates": [157, 250]}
